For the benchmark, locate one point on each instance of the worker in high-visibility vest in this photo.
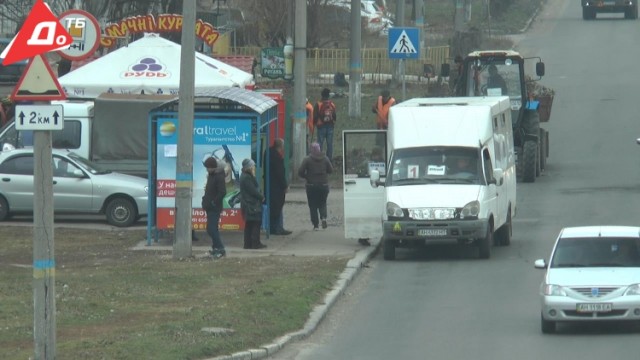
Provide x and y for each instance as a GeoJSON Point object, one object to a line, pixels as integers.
{"type": "Point", "coordinates": [381, 109]}
{"type": "Point", "coordinates": [310, 124]}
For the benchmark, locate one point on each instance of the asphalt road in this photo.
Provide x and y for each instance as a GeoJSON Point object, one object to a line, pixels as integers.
{"type": "Point", "coordinates": [441, 304]}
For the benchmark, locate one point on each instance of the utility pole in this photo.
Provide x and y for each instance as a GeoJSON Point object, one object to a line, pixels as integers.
{"type": "Point", "coordinates": [290, 149]}
{"type": "Point", "coordinates": [460, 15]}
{"type": "Point", "coordinates": [44, 294]}
{"type": "Point", "coordinates": [460, 43]}
{"type": "Point", "coordinates": [420, 6]}
{"type": "Point", "coordinates": [355, 68]}
{"type": "Point", "coordinates": [184, 165]}
{"type": "Point", "coordinates": [299, 84]}
{"type": "Point", "coordinates": [398, 23]}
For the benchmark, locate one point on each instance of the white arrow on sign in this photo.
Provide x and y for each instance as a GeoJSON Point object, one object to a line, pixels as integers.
{"type": "Point", "coordinates": [39, 117]}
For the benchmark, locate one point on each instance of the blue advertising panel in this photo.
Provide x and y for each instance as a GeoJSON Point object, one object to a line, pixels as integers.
{"type": "Point", "coordinates": [228, 141]}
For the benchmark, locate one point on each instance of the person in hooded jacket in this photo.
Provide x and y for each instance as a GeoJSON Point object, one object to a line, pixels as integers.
{"type": "Point", "coordinates": [251, 200]}
{"type": "Point", "coordinates": [315, 169]}
{"type": "Point", "coordinates": [214, 192]}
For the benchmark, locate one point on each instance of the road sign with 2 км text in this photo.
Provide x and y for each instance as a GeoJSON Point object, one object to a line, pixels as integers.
{"type": "Point", "coordinates": [404, 43]}
{"type": "Point", "coordinates": [39, 117]}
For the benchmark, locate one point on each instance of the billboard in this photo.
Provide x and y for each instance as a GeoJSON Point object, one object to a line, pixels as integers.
{"type": "Point", "coordinates": [227, 140]}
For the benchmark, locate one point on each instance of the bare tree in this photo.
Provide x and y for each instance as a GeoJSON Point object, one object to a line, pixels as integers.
{"type": "Point", "coordinates": [12, 15]}
{"type": "Point", "coordinates": [269, 21]}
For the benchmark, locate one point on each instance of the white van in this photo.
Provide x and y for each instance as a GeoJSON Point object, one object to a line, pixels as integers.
{"type": "Point", "coordinates": [451, 173]}
{"type": "Point", "coordinates": [77, 128]}
{"type": "Point", "coordinates": [110, 130]}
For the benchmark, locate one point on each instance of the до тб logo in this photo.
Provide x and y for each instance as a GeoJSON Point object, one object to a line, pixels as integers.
{"type": "Point", "coordinates": [41, 33]}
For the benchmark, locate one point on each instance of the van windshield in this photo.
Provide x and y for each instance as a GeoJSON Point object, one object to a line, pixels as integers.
{"type": "Point", "coordinates": [435, 165]}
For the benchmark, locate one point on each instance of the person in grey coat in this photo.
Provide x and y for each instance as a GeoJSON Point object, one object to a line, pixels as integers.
{"type": "Point", "coordinates": [251, 205]}
{"type": "Point", "coordinates": [315, 169]}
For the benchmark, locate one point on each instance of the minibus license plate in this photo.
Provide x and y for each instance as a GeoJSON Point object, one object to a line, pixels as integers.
{"type": "Point", "coordinates": [432, 232]}
{"type": "Point", "coordinates": [604, 307]}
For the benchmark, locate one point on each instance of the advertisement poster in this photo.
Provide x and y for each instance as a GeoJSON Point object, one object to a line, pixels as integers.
{"type": "Point", "coordinates": [227, 140]}
{"type": "Point", "coordinates": [272, 62]}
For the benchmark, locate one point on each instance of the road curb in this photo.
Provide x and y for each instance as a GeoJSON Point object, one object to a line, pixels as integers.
{"type": "Point", "coordinates": [353, 268]}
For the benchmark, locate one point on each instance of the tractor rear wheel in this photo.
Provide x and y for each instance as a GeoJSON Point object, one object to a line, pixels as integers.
{"type": "Point", "coordinates": [529, 161]}
{"type": "Point", "coordinates": [543, 149]}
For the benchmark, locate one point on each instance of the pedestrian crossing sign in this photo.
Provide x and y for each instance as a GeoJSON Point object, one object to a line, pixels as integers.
{"type": "Point", "coordinates": [404, 43]}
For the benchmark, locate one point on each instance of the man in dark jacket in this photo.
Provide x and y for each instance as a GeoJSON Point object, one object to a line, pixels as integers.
{"type": "Point", "coordinates": [214, 192]}
{"type": "Point", "coordinates": [315, 168]}
{"type": "Point", "coordinates": [278, 187]}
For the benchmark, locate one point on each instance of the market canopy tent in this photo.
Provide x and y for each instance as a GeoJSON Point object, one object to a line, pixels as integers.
{"type": "Point", "coordinates": [150, 65]}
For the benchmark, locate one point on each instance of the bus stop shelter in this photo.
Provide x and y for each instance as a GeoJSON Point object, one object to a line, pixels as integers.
{"type": "Point", "coordinates": [230, 124]}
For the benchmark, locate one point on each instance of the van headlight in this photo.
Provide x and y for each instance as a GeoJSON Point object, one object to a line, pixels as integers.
{"type": "Point", "coordinates": [470, 211]}
{"type": "Point", "coordinates": [393, 210]}
{"type": "Point", "coordinates": [146, 189]}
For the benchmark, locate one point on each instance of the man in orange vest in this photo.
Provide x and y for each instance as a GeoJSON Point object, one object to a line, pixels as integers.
{"type": "Point", "coordinates": [310, 124]}
{"type": "Point", "coordinates": [381, 109]}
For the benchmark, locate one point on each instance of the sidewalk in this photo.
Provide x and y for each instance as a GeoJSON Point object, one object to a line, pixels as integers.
{"type": "Point", "coordinates": [303, 241]}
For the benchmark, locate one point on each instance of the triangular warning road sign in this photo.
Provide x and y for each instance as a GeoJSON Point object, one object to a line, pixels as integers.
{"type": "Point", "coordinates": [38, 83]}
{"type": "Point", "coordinates": [30, 41]}
{"type": "Point", "coordinates": [403, 45]}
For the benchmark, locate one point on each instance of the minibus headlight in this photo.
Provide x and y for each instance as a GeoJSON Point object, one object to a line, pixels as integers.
{"type": "Point", "coordinates": [393, 210]}
{"type": "Point", "coordinates": [470, 211]}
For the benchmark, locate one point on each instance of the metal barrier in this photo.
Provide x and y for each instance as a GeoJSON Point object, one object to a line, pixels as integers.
{"type": "Point", "coordinates": [323, 62]}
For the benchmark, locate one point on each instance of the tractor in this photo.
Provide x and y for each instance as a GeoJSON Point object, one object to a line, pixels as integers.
{"type": "Point", "coordinates": [476, 76]}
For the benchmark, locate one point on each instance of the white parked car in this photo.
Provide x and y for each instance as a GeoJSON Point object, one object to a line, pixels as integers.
{"type": "Point", "coordinates": [79, 187]}
{"type": "Point", "coordinates": [372, 15]}
{"type": "Point", "coordinates": [593, 274]}
{"type": "Point", "coordinates": [387, 23]}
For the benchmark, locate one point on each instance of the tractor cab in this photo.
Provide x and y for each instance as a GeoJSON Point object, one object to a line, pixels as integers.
{"type": "Point", "coordinates": [502, 73]}
{"type": "Point", "coordinates": [496, 73]}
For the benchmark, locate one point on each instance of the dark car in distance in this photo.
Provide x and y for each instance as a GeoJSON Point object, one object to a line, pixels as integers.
{"type": "Point", "coordinates": [13, 72]}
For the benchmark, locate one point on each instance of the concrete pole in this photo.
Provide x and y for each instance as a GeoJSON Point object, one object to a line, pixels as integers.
{"type": "Point", "coordinates": [355, 67]}
{"type": "Point", "coordinates": [459, 16]}
{"type": "Point", "coordinates": [398, 23]}
{"type": "Point", "coordinates": [420, 6]}
{"type": "Point", "coordinates": [44, 295]}
{"type": "Point", "coordinates": [184, 165]}
{"type": "Point", "coordinates": [300, 85]}
{"type": "Point", "coordinates": [289, 111]}
{"type": "Point", "coordinates": [290, 7]}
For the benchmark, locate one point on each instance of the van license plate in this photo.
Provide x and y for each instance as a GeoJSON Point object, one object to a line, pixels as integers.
{"type": "Point", "coordinates": [432, 232]}
{"type": "Point", "coordinates": [604, 307]}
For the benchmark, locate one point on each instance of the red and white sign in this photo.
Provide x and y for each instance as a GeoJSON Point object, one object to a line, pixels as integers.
{"type": "Point", "coordinates": [85, 31]}
{"type": "Point", "coordinates": [40, 34]}
{"type": "Point", "coordinates": [38, 83]}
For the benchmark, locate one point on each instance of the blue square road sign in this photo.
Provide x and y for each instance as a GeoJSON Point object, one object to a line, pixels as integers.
{"type": "Point", "coordinates": [404, 43]}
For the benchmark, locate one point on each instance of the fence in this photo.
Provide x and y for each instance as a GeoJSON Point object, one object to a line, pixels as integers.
{"type": "Point", "coordinates": [324, 63]}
